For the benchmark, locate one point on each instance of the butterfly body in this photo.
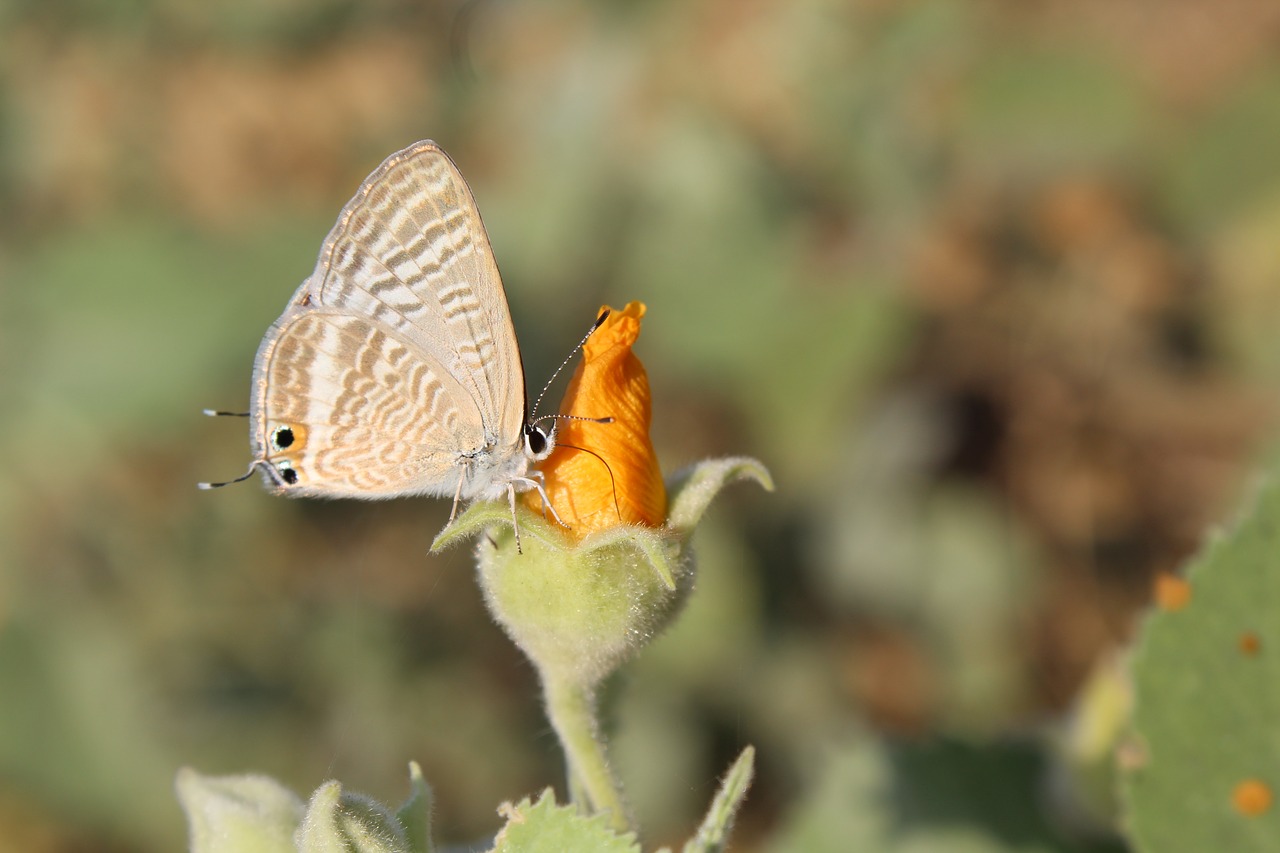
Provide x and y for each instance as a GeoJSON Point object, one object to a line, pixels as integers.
{"type": "Point", "coordinates": [394, 369]}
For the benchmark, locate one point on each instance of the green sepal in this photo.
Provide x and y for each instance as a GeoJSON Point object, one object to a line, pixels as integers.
{"type": "Point", "coordinates": [238, 814]}
{"type": "Point", "coordinates": [713, 834]}
{"type": "Point", "coordinates": [492, 516]}
{"type": "Point", "coordinates": [414, 814]}
{"type": "Point", "coordinates": [341, 822]}
{"type": "Point", "coordinates": [691, 490]}
{"type": "Point", "coordinates": [482, 515]}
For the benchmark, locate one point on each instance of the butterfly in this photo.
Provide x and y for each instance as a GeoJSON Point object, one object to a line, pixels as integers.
{"type": "Point", "coordinates": [394, 369]}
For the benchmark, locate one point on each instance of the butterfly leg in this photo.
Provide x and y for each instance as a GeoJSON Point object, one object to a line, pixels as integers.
{"type": "Point", "coordinates": [540, 486]}
{"type": "Point", "coordinates": [457, 496]}
{"type": "Point", "coordinates": [515, 523]}
{"type": "Point", "coordinates": [536, 485]}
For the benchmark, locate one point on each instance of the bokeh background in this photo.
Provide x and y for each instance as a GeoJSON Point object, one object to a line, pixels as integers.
{"type": "Point", "coordinates": [993, 289]}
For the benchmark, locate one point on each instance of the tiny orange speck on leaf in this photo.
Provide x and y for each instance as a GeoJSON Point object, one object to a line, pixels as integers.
{"type": "Point", "coordinates": [1250, 643]}
{"type": "Point", "coordinates": [1172, 592]}
{"type": "Point", "coordinates": [1251, 797]}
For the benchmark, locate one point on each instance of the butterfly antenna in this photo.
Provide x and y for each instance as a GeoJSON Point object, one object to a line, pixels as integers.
{"type": "Point", "coordinates": [613, 484]}
{"type": "Point", "coordinates": [246, 475]}
{"type": "Point", "coordinates": [216, 413]}
{"type": "Point", "coordinates": [607, 420]}
{"type": "Point", "coordinates": [538, 402]}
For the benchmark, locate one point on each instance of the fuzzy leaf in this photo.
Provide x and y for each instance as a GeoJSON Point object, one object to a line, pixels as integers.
{"type": "Point", "coordinates": [714, 832]}
{"type": "Point", "coordinates": [1207, 681]}
{"type": "Point", "coordinates": [238, 814]}
{"type": "Point", "coordinates": [545, 827]}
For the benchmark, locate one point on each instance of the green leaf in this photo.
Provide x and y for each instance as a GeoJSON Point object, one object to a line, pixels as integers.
{"type": "Point", "coordinates": [544, 827]}
{"type": "Point", "coordinates": [714, 832]}
{"type": "Point", "coordinates": [1207, 681]}
{"type": "Point", "coordinates": [238, 814]}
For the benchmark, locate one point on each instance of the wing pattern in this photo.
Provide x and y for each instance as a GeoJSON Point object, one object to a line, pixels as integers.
{"type": "Point", "coordinates": [394, 370]}
{"type": "Point", "coordinates": [411, 251]}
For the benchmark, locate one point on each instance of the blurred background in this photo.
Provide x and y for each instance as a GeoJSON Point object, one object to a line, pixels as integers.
{"type": "Point", "coordinates": [992, 288]}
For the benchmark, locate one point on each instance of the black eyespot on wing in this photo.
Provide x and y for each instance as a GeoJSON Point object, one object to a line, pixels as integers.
{"type": "Point", "coordinates": [282, 437]}
{"type": "Point", "coordinates": [287, 473]}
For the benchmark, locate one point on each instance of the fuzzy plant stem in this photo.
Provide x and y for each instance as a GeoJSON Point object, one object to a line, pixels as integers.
{"type": "Point", "coordinates": [572, 711]}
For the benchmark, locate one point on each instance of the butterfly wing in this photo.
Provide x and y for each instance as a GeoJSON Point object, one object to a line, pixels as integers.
{"type": "Point", "coordinates": [396, 360]}
{"type": "Point", "coordinates": [351, 409]}
{"type": "Point", "coordinates": [411, 251]}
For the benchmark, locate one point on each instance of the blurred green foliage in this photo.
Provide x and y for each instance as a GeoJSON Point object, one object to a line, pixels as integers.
{"type": "Point", "coordinates": [991, 290]}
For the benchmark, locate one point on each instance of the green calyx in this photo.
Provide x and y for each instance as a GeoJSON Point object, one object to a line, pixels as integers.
{"type": "Point", "coordinates": [579, 609]}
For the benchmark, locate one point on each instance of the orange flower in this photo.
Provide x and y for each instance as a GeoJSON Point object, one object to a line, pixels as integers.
{"type": "Point", "coordinates": [603, 475]}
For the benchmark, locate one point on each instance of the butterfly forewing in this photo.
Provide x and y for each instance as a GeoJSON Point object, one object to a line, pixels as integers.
{"type": "Point", "coordinates": [410, 251]}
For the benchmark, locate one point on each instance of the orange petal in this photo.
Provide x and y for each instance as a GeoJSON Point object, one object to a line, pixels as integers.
{"type": "Point", "coordinates": [603, 475]}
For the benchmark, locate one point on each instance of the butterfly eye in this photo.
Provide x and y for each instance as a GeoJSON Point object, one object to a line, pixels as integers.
{"type": "Point", "coordinates": [287, 472]}
{"type": "Point", "coordinates": [537, 442]}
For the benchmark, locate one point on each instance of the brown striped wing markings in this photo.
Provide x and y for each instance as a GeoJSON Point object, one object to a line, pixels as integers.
{"type": "Point", "coordinates": [410, 251]}
{"type": "Point", "coordinates": [380, 418]}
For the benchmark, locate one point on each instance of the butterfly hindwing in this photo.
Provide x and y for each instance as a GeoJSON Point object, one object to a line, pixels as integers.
{"type": "Point", "coordinates": [361, 412]}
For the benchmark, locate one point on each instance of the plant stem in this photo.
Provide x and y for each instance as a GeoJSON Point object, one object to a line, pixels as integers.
{"type": "Point", "coordinates": [572, 711]}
